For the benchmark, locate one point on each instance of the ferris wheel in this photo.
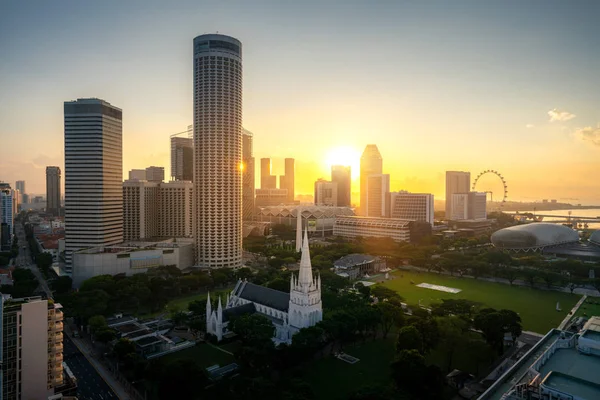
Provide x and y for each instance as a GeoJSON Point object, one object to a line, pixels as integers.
{"type": "Point", "coordinates": [499, 175]}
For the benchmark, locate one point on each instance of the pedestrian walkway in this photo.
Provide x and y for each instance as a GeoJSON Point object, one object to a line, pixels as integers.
{"type": "Point", "coordinates": [115, 385]}
{"type": "Point", "coordinates": [570, 315]}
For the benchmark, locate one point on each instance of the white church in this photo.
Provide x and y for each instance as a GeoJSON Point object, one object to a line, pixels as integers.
{"type": "Point", "coordinates": [289, 312]}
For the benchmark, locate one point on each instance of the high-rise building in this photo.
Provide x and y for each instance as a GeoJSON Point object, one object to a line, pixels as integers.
{"type": "Point", "coordinates": [342, 176]}
{"type": "Point", "coordinates": [182, 155]}
{"type": "Point", "coordinates": [456, 182]}
{"type": "Point", "coordinates": [32, 343]}
{"type": "Point", "coordinates": [371, 163]}
{"type": "Point", "coordinates": [140, 209]}
{"type": "Point", "coordinates": [477, 205]}
{"type": "Point", "coordinates": [377, 187]}
{"type": "Point", "coordinates": [460, 206]}
{"type": "Point", "coordinates": [267, 181]}
{"type": "Point", "coordinates": [410, 206]}
{"type": "Point", "coordinates": [20, 185]}
{"type": "Point", "coordinates": [93, 175]}
{"type": "Point", "coordinates": [175, 212]}
{"type": "Point", "coordinates": [6, 215]}
{"type": "Point", "coordinates": [270, 197]}
{"type": "Point", "coordinates": [137, 174]}
{"type": "Point", "coordinates": [248, 175]}
{"type": "Point", "coordinates": [218, 150]}
{"type": "Point", "coordinates": [155, 174]}
{"type": "Point", "coordinates": [287, 181]}
{"type": "Point", "coordinates": [53, 190]}
{"type": "Point", "coordinates": [326, 193]}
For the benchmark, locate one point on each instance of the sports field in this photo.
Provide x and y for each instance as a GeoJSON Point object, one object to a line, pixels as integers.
{"type": "Point", "coordinates": [536, 307]}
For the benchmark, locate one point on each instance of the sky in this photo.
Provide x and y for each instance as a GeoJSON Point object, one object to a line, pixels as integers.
{"type": "Point", "coordinates": [465, 85]}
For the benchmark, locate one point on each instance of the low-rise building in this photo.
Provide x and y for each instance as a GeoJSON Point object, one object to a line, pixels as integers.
{"type": "Point", "coordinates": [355, 266]}
{"type": "Point", "coordinates": [318, 219]}
{"type": "Point", "coordinates": [400, 230]}
{"type": "Point", "coordinates": [270, 197]}
{"type": "Point", "coordinates": [562, 365]}
{"type": "Point", "coordinates": [131, 258]}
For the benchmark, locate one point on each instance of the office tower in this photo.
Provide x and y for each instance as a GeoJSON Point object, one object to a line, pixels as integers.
{"type": "Point", "coordinates": [477, 205]}
{"type": "Point", "coordinates": [176, 209]}
{"type": "Point", "coordinates": [140, 209]}
{"type": "Point", "coordinates": [456, 182]}
{"type": "Point", "coordinates": [287, 181]}
{"type": "Point", "coordinates": [460, 206]}
{"type": "Point", "coordinates": [25, 198]}
{"type": "Point", "coordinates": [326, 193]}
{"type": "Point", "coordinates": [371, 163]}
{"type": "Point", "coordinates": [341, 175]}
{"type": "Point", "coordinates": [267, 181]}
{"type": "Point", "coordinates": [53, 190]}
{"type": "Point", "coordinates": [182, 155]}
{"type": "Point", "coordinates": [137, 174]}
{"type": "Point", "coordinates": [155, 174]}
{"type": "Point", "coordinates": [270, 197]}
{"type": "Point", "coordinates": [377, 187]}
{"type": "Point", "coordinates": [20, 185]}
{"type": "Point", "coordinates": [248, 175]}
{"type": "Point", "coordinates": [218, 150]}
{"type": "Point", "coordinates": [6, 216]}
{"type": "Point", "coordinates": [410, 206]}
{"type": "Point", "coordinates": [93, 175]}
{"type": "Point", "coordinates": [31, 348]}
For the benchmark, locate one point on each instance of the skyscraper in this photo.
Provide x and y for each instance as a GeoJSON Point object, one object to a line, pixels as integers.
{"type": "Point", "coordinates": [155, 174]}
{"type": "Point", "coordinates": [218, 150]}
{"type": "Point", "coordinates": [371, 163]}
{"type": "Point", "coordinates": [326, 193]}
{"type": "Point", "coordinates": [182, 155]}
{"type": "Point", "coordinates": [6, 215]}
{"type": "Point", "coordinates": [377, 188]}
{"type": "Point", "coordinates": [341, 175]}
{"type": "Point", "coordinates": [93, 175]}
{"type": "Point", "coordinates": [267, 181]}
{"type": "Point", "coordinates": [287, 181]}
{"type": "Point", "coordinates": [410, 206]}
{"type": "Point", "coordinates": [248, 175]}
{"type": "Point", "coordinates": [456, 182]}
{"type": "Point", "coordinates": [53, 190]}
{"type": "Point", "coordinates": [20, 185]}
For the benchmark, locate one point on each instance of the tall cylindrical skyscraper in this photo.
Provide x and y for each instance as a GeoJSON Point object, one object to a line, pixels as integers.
{"type": "Point", "coordinates": [218, 150]}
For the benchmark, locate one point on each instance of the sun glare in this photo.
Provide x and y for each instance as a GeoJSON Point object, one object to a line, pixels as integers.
{"type": "Point", "coordinates": [345, 155]}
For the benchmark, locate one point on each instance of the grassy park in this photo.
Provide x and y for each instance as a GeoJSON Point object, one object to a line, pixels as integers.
{"type": "Point", "coordinates": [203, 354]}
{"type": "Point", "coordinates": [536, 307]}
{"type": "Point", "coordinates": [589, 308]}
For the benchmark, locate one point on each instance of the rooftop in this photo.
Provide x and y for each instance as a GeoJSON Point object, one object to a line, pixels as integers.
{"type": "Point", "coordinates": [263, 295]}
{"type": "Point", "coordinates": [352, 260]}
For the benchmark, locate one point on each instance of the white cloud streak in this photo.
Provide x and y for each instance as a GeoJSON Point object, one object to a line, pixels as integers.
{"type": "Point", "coordinates": [558, 115]}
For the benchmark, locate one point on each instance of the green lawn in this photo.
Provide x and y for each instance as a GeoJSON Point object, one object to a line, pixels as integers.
{"type": "Point", "coordinates": [181, 303]}
{"type": "Point", "coordinates": [333, 379]}
{"type": "Point", "coordinates": [203, 354]}
{"type": "Point", "coordinates": [537, 308]}
{"type": "Point", "coordinates": [590, 308]}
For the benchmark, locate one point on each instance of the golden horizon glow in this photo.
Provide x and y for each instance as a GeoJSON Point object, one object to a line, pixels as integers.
{"type": "Point", "coordinates": [346, 156]}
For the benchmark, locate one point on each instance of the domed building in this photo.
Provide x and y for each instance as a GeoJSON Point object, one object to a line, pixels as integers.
{"type": "Point", "coordinates": [595, 238]}
{"type": "Point", "coordinates": [534, 237]}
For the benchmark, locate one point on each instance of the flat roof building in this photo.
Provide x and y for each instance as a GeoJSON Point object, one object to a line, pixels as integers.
{"type": "Point", "coordinates": [411, 206]}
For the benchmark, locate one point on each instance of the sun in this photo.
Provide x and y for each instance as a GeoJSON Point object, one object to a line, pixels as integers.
{"type": "Point", "coordinates": [345, 155]}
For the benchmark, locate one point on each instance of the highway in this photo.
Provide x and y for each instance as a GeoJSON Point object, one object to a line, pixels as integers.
{"type": "Point", "coordinates": [90, 385]}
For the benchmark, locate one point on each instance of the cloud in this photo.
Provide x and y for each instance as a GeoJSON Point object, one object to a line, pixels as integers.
{"type": "Point", "coordinates": [589, 134]}
{"type": "Point", "coordinates": [558, 115]}
{"type": "Point", "coordinates": [529, 126]}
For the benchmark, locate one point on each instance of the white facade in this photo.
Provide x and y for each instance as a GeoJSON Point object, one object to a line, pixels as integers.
{"type": "Point", "coordinates": [289, 312]}
{"type": "Point", "coordinates": [326, 193]}
{"type": "Point", "coordinates": [371, 163]}
{"type": "Point", "coordinates": [412, 206]}
{"type": "Point", "coordinates": [140, 209]}
{"type": "Point", "coordinates": [93, 175]}
{"type": "Point", "coordinates": [131, 258]}
{"type": "Point", "coordinates": [456, 182]}
{"type": "Point", "coordinates": [377, 188]}
{"type": "Point", "coordinates": [176, 209]}
{"type": "Point", "coordinates": [155, 174]}
{"type": "Point", "coordinates": [460, 206]}
{"type": "Point", "coordinates": [477, 205]}
{"type": "Point", "coordinates": [137, 174]}
{"type": "Point", "coordinates": [352, 227]}
{"type": "Point", "coordinates": [218, 150]}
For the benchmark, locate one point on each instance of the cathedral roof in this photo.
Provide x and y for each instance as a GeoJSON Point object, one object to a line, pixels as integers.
{"type": "Point", "coordinates": [263, 295]}
{"type": "Point", "coordinates": [247, 308]}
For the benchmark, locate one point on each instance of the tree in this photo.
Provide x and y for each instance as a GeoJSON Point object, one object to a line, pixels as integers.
{"type": "Point", "coordinates": [181, 380]}
{"type": "Point", "coordinates": [62, 284]}
{"type": "Point", "coordinates": [411, 374]}
{"type": "Point", "coordinates": [452, 338]}
{"type": "Point", "coordinates": [254, 329]}
{"type": "Point", "coordinates": [44, 261]}
{"type": "Point", "coordinates": [382, 293]}
{"type": "Point", "coordinates": [509, 273]}
{"type": "Point", "coordinates": [89, 303]}
{"type": "Point", "coordinates": [428, 328]}
{"type": "Point", "coordinates": [100, 282]}
{"type": "Point", "coordinates": [550, 278]}
{"type": "Point", "coordinates": [494, 324]}
{"type": "Point", "coordinates": [244, 273]}
{"type": "Point", "coordinates": [460, 307]}
{"type": "Point", "coordinates": [97, 323]}
{"type": "Point", "coordinates": [279, 284]}
{"type": "Point", "coordinates": [362, 289]}
{"type": "Point", "coordinates": [391, 315]}
{"type": "Point", "coordinates": [105, 335]}
{"type": "Point", "coordinates": [307, 341]}
{"type": "Point", "coordinates": [409, 338]}
{"type": "Point", "coordinates": [123, 348]}
{"type": "Point", "coordinates": [530, 275]}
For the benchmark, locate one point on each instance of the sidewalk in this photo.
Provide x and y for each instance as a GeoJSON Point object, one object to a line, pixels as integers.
{"type": "Point", "coordinates": [115, 385]}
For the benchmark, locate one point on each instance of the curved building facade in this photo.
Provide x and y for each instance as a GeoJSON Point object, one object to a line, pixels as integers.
{"type": "Point", "coordinates": [218, 151]}
{"type": "Point", "coordinates": [595, 237]}
{"type": "Point", "coordinates": [534, 236]}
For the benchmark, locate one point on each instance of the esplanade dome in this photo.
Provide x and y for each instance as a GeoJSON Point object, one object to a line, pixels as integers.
{"type": "Point", "coordinates": [535, 236]}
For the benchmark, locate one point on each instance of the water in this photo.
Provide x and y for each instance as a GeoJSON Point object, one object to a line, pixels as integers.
{"type": "Point", "coordinates": [586, 214]}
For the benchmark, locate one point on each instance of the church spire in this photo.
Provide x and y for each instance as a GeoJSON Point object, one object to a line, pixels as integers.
{"type": "Point", "coordinates": [305, 278]}
{"type": "Point", "coordinates": [208, 306]}
{"type": "Point", "coordinates": [298, 229]}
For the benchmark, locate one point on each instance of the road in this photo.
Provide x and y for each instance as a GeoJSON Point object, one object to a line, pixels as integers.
{"type": "Point", "coordinates": [24, 260]}
{"type": "Point", "coordinates": [90, 385]}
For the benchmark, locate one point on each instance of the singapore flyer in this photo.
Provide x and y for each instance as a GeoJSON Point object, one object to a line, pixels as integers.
{"type": "Point", "coordinates": [492, 182]}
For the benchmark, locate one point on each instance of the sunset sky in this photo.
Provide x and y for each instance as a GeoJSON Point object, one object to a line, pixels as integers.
{"type": "Point", "coordinates": [463, 85]}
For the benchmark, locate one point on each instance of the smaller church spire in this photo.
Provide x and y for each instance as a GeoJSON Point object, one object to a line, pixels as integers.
{"type": "Point", "coordinates": [208, 306]}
